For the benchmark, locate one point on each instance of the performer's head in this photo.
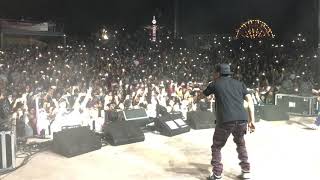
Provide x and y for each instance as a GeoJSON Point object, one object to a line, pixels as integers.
{"type": "Point", "coordinates": [222, 70]}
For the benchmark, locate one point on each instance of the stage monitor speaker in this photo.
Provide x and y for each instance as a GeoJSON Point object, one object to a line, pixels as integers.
{"type": "Point", "coordinates": [137, 117]}
{"type": "Point", "coordinates": [273, 113]}
{"type": "Point", "coordinates": [170, 126]}
{"type": "Point", "coordinates": [257, 113]}
{"type": "Point", "coordinates": [123, 132]}
{"type": "Point", "coordinates": [201, 119]}
{"type": "Point", "coordinates": [75, 141]}
{"type": "Point", "coordinates": [7, 151]}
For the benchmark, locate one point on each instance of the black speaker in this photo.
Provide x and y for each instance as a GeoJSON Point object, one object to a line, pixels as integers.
{"type": "Point", "coordinates": [7, 150]}
{"type": "Point", "coordinates": [111, 116]}
{"type": "Point", "coordinates": [171, 126]}
{"type": "Point", "coordinates": [201, 119]}
{"type": "Point", "coordinates": [137, 117]}
{"type": "Point", "coordinates": [283, 102]}
{"type": "Point", "coordinates": [296, 104]}
{"type": "Point", "coordinates": [273, 113]}
{"type": "Point", "coordinates": [257, 113]}
{"type": "Point", "coordinates": [123, 132]}
{"type": "Point", "coordinates": [75, 141]}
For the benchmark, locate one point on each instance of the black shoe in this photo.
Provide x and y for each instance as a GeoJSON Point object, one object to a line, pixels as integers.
{"type": "Point", "coordinates": [213, 177]}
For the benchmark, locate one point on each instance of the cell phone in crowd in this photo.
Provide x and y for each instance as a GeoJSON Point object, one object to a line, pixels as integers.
{"type": "Point", "coordinates": [74, 88]}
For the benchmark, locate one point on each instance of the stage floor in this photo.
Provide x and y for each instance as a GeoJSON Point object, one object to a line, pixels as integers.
{"type": "Point", "coordinates": [278, 150]}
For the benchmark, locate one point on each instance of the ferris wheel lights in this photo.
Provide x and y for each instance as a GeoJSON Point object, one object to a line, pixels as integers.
{"type": "Point", "coordinates": [254, 29]}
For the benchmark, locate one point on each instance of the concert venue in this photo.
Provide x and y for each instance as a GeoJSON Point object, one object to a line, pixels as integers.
{"type": "Point", "coordinates": [159, 89]}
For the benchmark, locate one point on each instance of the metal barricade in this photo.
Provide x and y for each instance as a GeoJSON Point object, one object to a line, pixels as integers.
{"type": "Point", "coordinates": [298, 105]}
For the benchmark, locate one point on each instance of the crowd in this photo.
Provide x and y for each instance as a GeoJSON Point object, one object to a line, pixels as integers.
{"type": "Point", "coordinates": [77, 83]}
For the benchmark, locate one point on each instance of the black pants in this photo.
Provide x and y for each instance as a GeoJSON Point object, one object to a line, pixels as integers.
{"type": "Point", "coordinates": [222, 132]}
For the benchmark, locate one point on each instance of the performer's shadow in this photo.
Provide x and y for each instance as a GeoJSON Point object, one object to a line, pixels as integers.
{"type": "Point", "coordinates": [304, 125]}
{"type": "Point", "coordinates": [200, 171]}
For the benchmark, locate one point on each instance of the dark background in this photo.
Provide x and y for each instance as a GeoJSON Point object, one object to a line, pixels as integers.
{"type": "Point", "coordinates": [85, 16]}
{"type": "Point", "coordinates": [285, 17]}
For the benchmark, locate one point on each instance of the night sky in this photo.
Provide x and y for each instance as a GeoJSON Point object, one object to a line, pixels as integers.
{"type": "Point", "coordinates": [224, 16]}
{"type": "Point", "coordinates": [221, 16]}
{"type": "Point", "coordinates": [83, 16]}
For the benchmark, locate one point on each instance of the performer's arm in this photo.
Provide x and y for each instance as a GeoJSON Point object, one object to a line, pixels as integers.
{"type": "Point", "coordinates": [207, 92]}
{"type": "Point", "coordinates": [251, 123]}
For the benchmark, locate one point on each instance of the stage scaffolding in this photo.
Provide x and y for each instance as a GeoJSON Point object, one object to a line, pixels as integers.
{"type": "Point", "coordinates": [29, 32]}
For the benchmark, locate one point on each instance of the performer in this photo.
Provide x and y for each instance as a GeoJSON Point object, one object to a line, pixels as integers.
{"type": "Point", "coordinates": [232, 118]}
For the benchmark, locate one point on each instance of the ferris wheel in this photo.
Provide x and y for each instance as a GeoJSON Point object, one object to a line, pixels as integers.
{"type": "Point", "coordinates": [254, 29]}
